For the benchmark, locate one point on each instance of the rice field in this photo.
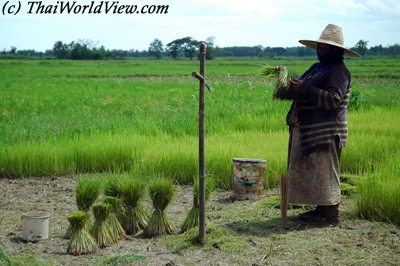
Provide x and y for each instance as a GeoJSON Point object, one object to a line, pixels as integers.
{"type": "Point", "coordinates": [73, 117]}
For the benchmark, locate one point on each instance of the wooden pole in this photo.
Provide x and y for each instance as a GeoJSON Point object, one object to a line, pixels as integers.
{"type": "Point", "coordinates": [202, 165]}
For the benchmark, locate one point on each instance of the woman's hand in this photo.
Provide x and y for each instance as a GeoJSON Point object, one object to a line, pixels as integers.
{"type": "Point", "coordinates": [296, 84]}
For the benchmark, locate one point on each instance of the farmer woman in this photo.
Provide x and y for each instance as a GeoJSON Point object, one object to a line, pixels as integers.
{"type": "Point", "coordinates": [318, 128]}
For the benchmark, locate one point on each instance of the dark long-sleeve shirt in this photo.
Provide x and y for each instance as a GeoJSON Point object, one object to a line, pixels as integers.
{"type": "Point", "coordinates": [321, 107]}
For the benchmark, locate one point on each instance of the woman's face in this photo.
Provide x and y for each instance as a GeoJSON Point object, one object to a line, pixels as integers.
{"type": "Point", "coordinates": [323, 49]}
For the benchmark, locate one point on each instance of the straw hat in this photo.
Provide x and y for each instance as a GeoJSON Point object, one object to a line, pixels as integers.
{"type": "Point", "coordinates": [332, 35]}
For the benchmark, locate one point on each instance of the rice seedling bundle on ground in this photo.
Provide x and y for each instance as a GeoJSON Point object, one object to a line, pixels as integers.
{"type": "Point", "coordinates": [113, 187]}
{"type": "Point", "coordinates": [101, 229]}
{"type": "Point", "coordinates": [87, 192]}
{"type": "Point", "coordinates": [116, 230]}
{"type": "Point", "coordinates": [161, 192]}
{"type": "Point", "coordinates": [192, 218]}
{"type": "Point", "coordinates": [81, 242]}
{"type": "Point", "coordinates": [135, 216]}
{"type": "Point", "coordinates": [284, 76]}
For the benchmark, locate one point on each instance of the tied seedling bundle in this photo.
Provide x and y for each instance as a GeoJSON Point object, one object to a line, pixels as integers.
{"type": "Point", "coordinates": [192, 218]}
{"type": "Point", "coordinates": [81, 242]}
{"type": "Point", "coordinates": [135, 216]}
{"type": "Point", "coordinates": [101, 229]}
{"type": "Point", "coordinates": [116, 230]}
{"type": "Point", "coordinates": [161, 192]}
{"type": "Point", "coordinates": [87, 192]}
{"type": "Point", "coordinates": [284, 76]}
{"type": "Point", "coordinates": [113, 187]}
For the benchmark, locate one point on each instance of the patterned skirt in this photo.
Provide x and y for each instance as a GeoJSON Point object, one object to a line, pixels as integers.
{"type": "Point", "coordinates": [313, 179]}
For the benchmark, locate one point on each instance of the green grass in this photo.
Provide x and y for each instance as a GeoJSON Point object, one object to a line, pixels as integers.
{"type": "Point", "coordinates": [4, 258]}
{"type": "Point", "coordinates": [70, 117]}
{"type": "Point", "coordinates": [379, 195]}
{"type": "Point", "coordinates": [123, 259]}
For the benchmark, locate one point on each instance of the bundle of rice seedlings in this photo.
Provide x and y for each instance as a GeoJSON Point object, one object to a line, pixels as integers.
{"type": "Point", "coordinates": [81, 241]}
{"type": "Point", "coordinates": [101, 229]}
{"type": "Point", "coordinates": [116, 230]}
{"type": "Point", "coordinates": [135, 217]}
{"type": "Point", "coordinates": [161, 193]}
{"type": "Point", "coordinates": [87, 192]}
{"type": "Point", "coordinates": [113, 187]}
{"type": "Point", "coordinates": [284, 76]}
{"type": "Point", "coordinates": [192, 218]}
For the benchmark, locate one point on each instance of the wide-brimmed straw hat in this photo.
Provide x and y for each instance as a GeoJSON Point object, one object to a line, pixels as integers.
{"type": "Point", "coordinates": [332, 35]}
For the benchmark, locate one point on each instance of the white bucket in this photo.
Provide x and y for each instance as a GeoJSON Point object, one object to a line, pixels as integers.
{"type": "Point", "coordinates": [35, 226]}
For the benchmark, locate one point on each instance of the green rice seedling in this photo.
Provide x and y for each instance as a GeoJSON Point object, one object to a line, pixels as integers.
{"type": "Point", "coordinates": [161, 192]}
{"type": "Point", "coordinates": [192, 218]}
{"type": "Point", "coordinates": [87, 192]}
{"type": "Point", "coordinates": [113, 186]}
{"type": "Point", "coordinates": [81, 241]}
{"type": "Point", "coordinates": [284, 76]}
{"type": "Point", "coordinates": [135, 217]}
{"type": "Point", "coordinates": [116, 230]}
{"type": "Point", "coordinates": [101, 228]}
{"type": "Point", "coordinates": [269, 70]}
{"type": "Point", "coordinates": [378, 195]}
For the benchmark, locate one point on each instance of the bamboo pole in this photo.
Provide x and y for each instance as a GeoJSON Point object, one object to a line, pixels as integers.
{"type": "Point", "coordinates": [202, 166]}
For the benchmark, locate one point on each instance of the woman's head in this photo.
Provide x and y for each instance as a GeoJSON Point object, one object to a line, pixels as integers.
{"type": "Point", "coordinates": [329, 54]}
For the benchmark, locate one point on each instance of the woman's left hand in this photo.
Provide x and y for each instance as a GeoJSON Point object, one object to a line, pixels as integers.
{"type": "Point", "coordinates": [296, 84]}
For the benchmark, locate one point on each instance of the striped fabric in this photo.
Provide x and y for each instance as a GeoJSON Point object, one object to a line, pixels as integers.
{"type": "Point", "coordinates": [320, 108]}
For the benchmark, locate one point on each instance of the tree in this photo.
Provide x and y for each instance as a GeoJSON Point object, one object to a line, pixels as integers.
{"type": "Point", "coordinates": [13, 50]}
{"type": "Point", "coordinates": [361, 47]}
{"type": "Point", "coordinates": [210, 50]}
{"type": "Point", "coordinates": [189, 47]}
{"type": "Point", "coordinates": [173, 48]}
{"type": "Point", "coordinates": [60, 50]}
{"type": "Point", "coordinates": [156, 48]}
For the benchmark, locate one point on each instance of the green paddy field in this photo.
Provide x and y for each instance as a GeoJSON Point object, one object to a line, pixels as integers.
{"type": "Point", "coordinates": [61, 118]}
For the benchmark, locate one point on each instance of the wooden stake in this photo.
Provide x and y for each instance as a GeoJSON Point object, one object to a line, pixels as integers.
{"type": "Point", "coordinates": [202, 166]}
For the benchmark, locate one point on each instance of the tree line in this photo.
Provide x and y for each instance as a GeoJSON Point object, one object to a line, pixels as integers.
{"type": "Point", "coordinates": [186, 47]}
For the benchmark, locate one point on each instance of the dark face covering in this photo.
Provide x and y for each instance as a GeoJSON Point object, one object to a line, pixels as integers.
{"type": "Point", "coordinates": [331, 58]}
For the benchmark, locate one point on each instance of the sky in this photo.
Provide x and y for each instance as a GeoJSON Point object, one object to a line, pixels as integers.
{"type": "Point", "coordinates": [274, 23]}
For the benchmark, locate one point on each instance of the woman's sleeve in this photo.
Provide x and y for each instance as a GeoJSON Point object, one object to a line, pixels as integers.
{"type": "Point", "coordinates": [330, 96]}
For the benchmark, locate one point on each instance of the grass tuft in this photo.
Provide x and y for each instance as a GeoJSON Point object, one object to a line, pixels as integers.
{"type": "Point", "coordinates": [124, 259]}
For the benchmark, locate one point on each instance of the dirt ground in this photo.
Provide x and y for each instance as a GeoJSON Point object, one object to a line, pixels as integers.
{"type": "Point", "coordinates": [252, 233]}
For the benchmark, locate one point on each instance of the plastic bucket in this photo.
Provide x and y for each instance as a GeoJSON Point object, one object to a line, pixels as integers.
{"type": "Point", "coordinates": [35, 226]}
{"type": "Point", "coordinates": [248, 178]}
